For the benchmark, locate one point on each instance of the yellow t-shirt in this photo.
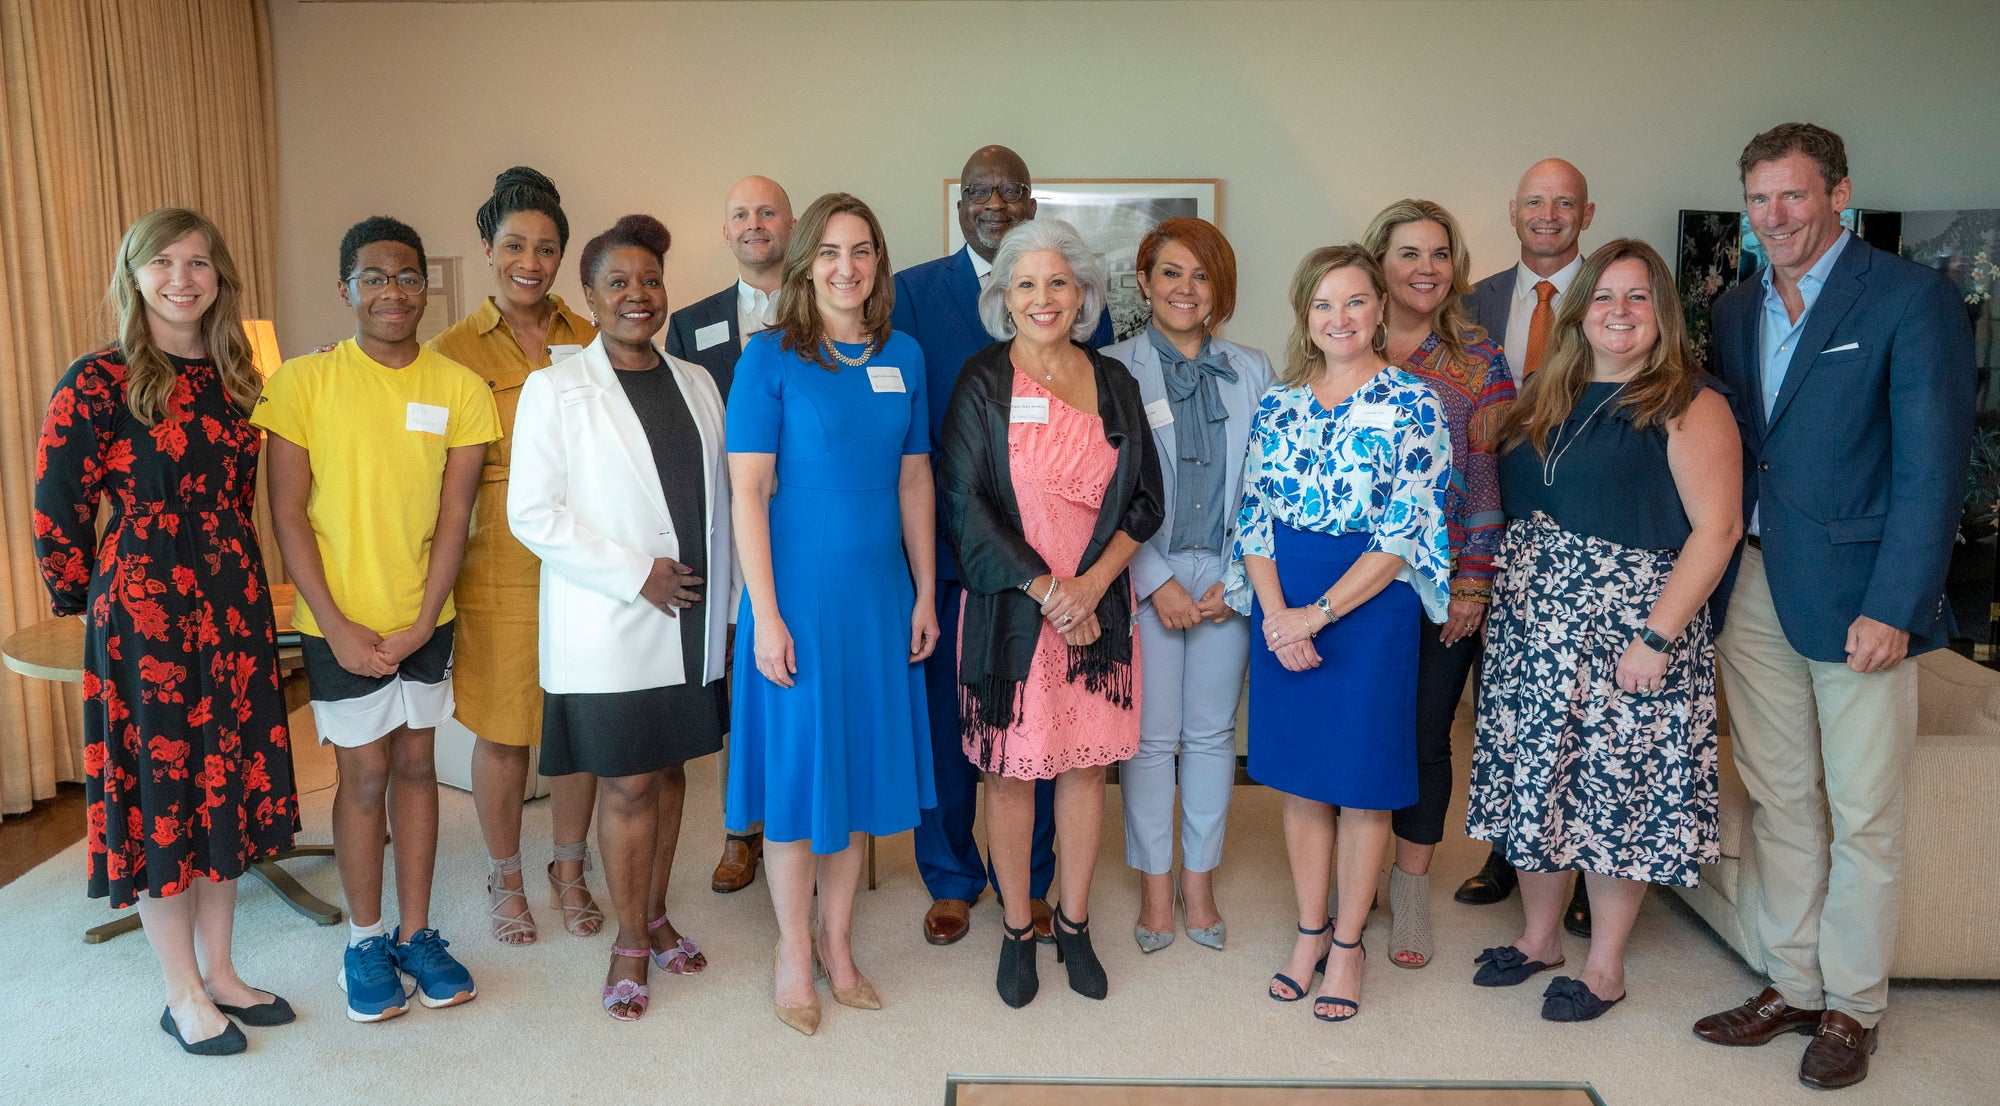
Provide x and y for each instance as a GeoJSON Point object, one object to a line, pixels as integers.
{"type": "Point", "coordinates": [378, 438]}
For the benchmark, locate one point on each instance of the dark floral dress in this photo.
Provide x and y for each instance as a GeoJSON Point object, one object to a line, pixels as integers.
{"type": "Point", "coordinates": [188, 766]}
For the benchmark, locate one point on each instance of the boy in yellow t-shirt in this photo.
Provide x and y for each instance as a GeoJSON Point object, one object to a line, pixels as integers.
{"type": "Point", "coordinates": [374, 453]}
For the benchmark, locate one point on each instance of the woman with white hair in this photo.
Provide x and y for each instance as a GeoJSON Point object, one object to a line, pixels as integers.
{"type": "Point", "coordinates": [1050, 485]}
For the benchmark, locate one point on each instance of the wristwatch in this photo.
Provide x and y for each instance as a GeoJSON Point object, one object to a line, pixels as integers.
{"type": "Point", "coordinates": [1654, 640]}
{"type": "Point", "coordinates": [1325, 606]}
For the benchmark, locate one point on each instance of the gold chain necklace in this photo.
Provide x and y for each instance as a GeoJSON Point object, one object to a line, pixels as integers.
{"type": "Point", "coordinates": [867, 351]}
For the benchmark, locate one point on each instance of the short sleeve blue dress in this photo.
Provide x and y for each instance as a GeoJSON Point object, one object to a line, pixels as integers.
{"type": "Point", "coordinates": [847, 749]}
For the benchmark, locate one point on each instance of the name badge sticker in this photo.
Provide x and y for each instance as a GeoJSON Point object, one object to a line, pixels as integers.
{"type": "Point", "coordinates": [578, 393]}
{"type": "Point", "coordinates": [885, 378]}
{"type": "Point", "coordinates": [1379, 416]}
{"type": "Point", "coordinates": [1159, 413]}
{"type": "Point", "coordinates": [427, 418]}
{"type": "Point", "coordinates": [1029, 409]}
{"type": "Point", "coordinates": [714, 334]}
{"type": "Point", "coordinates": [563, 352]}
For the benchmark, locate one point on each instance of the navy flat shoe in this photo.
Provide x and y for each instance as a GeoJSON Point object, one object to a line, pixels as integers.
{"type": "Point", "coordinates": [226, 1043]}
{"type": "Point", "coordinates": [1569, 1000]}
{"type": "Point", "coordinates": [1504, 967]}
{"type": "Point", "coordinates": [275, 1012]}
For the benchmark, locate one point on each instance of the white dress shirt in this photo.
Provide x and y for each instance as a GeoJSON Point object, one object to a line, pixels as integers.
{"type": "Point", "coordinates": [755, 310]}
{"type": "Point", "coordinates": [981, 268]}
{"type": "Point", "coordinates": [1522, 310]}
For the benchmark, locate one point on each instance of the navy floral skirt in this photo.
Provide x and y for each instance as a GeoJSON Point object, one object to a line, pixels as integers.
{"type": "Point", "coordinates": [1569, 772]}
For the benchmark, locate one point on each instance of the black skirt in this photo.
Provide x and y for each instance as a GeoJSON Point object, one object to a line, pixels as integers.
{"type": "Point", "coordinates": [629, 733]}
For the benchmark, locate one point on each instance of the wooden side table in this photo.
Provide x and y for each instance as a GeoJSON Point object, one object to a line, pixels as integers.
{"type": "Point", "coordinates": [53, 650]}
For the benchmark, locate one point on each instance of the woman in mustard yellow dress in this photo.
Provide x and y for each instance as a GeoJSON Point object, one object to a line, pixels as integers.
{"type": "Point", "coordinates": [522, 328]}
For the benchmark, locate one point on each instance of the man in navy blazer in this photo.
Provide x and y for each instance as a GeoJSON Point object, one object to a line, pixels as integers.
{"type": "Point", "coordinates": [757, 225]}
{"type": "Point", "coordinates": [937, 303]}
{"type": "Point", "coordinates": [1851, 373]}
{"type": "Point", "coordinates": [1550, 210]}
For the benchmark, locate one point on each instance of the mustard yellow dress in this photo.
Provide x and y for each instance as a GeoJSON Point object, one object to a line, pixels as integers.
{"type": "Point", "coordinates": [494, 673]}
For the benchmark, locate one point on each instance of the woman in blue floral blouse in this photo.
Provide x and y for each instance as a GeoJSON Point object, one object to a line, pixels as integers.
{"type": "Point", "coordinates": [1342, 540]}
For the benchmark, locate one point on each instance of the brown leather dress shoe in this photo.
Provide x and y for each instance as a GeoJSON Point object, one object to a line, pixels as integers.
{"type": "Point", "coordinates": [947, 920]}
{"type": "Point", "coordinates": [739, 863]}
{"type": "Point", "coordinates": [1045, 920]}
{"type": "Point", "coordinates": [1757, 1021]}
{"type": "Point", "coordinates": [1838, 1054]}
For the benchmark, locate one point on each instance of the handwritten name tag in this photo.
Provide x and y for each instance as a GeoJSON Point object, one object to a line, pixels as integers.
{"type": "Point", "coordinates": [1158, 414]}
{"type": "Point", "coordinates": [714, 334]}
{"type": "Point", "coordinates": [1030, 409]}
{"type": "Point", "coordinates": [885, 378]}
{"type": "Point", "coordinates": [1378, 416]}
{"type": "Point", "coordinates": [427, 418]}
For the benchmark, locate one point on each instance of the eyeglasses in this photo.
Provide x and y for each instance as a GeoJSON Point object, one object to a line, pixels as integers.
{"type": "Point", "coordinates": [375, 280]}
{"type": "Point", "coordinates": [1011, 192]}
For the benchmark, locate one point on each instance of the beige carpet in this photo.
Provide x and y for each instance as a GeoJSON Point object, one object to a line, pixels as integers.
{"type": "Point", "coordinates": [79, 1021]}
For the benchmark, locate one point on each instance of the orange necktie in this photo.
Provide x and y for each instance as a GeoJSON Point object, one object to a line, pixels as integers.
{"type": "Point", "coordinates": [1539, 325]}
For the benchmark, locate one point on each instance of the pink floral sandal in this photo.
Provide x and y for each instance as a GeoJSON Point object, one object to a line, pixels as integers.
{"type": "Point", "coordinates": [684, 958]}
{"type": "Point", "coordinates": [627, 999]}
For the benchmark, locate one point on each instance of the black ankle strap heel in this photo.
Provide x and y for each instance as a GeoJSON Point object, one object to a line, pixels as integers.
{"type": "Point", "coordinates": [1086, 975]}
{"type": "Point", "coordinates": [1016, 980]}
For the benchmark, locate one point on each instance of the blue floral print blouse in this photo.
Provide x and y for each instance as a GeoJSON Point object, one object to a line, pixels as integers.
{"type": "Point", "coordinates": [1378, 463]}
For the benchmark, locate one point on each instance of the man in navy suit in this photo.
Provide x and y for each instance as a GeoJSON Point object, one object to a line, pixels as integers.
{"type": "Point", "coordinates": [756, 225]}
{"type": "Point", "coordinates": [1550, 210]}
{"type": "Point", "coordinates": [1851, 373]}
{"type": "Point", "coordinates": [937, 303]}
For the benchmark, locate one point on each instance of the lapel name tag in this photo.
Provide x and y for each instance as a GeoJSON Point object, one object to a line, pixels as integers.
{"type": "Point", "coordinates": [578, 393]}
{"type": "Point", "coordinates": [563, 352]}
{"type": "Point", "coordinates": [427, 418]}
{"type": "Point", "coordinates": [1159, 413]}
{"type": "Point", "coordinates": [714, 334]}
{"type": "Point", "coordinates": [1029, 409]}
{"type": "Point", "coordinates": [1377, 416]}
{"type": "Point", "coordinates": [885, 378]}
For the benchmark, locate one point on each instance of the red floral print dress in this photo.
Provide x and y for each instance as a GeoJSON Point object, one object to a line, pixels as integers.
{"type": "Point", "coordinates": [188, 766]}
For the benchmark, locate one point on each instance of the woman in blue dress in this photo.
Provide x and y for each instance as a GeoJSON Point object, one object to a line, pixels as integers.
{"type": "Point", "coordinates": [1342, 540]}
{"type": "Point", "coordinates": [828, 442]}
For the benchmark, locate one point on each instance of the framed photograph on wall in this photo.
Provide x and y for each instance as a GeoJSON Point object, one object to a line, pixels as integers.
{"type": "Point", "coordinates": [1112, 215]}
{"type": "Point", "coordinates": [441, 306]}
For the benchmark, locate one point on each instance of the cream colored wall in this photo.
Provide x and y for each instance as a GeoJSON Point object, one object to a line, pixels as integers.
{"type": "Point", "coordinates": [1313, 114]}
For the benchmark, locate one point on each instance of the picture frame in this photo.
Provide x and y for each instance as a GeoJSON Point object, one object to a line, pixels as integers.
{"type": "Point", "coordinates": [1112, 214]}
{"type": "Point", "coordinates": [441, 306]}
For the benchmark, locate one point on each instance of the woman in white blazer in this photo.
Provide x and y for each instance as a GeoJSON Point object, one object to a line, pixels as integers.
{"type": "Point", "coordinates": [1200, 392]}
{"type": "Point", "coordinates": [620, 486]}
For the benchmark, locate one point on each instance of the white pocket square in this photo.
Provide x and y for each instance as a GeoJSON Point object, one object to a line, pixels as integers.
{"type": "Point", "coordinates": [1841, 349]}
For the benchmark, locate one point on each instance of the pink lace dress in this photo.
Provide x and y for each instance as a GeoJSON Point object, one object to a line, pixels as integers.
{"type": "Point", "coordinates": [1060, 471]}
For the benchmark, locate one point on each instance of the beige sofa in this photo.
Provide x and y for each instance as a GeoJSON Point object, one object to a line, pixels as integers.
{"type": "Point", "coordinates": [1951, 901]}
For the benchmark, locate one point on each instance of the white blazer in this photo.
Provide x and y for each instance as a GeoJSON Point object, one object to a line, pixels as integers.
{"type": "Point", "coordinates": [1150, 567]}
{"type": "Point", "coordinates": [584, 496]}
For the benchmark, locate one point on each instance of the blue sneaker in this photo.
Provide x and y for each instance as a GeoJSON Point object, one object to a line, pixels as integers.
{"type": "Point", "coordinates": [368, 976]}
{"type": "Point", "coordinates": [441, 979]}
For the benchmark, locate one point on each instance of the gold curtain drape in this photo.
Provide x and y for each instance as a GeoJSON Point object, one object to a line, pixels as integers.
{"type": "Point", "coordinates": [108, 109]}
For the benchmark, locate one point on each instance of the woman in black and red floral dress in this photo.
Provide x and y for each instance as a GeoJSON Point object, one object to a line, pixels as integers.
{"type": "Point", "coordinates": [188, 768]}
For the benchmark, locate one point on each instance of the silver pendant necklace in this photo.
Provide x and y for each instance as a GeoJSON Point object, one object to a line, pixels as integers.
{"type": "Point", "coordinates": [1549, 466]}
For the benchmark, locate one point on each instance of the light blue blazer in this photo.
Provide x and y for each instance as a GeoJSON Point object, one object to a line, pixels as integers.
{"type": "Point", "coordinates": [1150, 566]}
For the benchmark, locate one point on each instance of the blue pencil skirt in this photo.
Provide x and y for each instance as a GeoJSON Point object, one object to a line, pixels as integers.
{"type": "Point", "coordinates": [1343, 733]}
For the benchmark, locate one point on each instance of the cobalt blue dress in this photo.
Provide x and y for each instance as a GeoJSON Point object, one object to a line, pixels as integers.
{"type": "Point", "coordinates": [847, 749]}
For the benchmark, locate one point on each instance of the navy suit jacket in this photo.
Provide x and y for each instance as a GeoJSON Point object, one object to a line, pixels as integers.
{"type": "Point", "coordinates": [1491, 301]}
{"type": "Point", "coordinates": [1860, 469]}
{"type": "Point", "coordinates": [937, 303]}
{"type": "Point", "coordinates": [720, 358]}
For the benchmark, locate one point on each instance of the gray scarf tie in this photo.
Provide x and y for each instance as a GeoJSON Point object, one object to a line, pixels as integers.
{"type": "Point", "coordinates": [1192, 382]}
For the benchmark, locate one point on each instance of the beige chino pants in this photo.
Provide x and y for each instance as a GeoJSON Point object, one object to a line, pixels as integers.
{"type": "Point", "coordinates": [1830, 862]}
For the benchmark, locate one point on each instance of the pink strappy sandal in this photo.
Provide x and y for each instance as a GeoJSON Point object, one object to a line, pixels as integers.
{"type": "Point", "coordinates": [684, 958]}
{"type": "Point", "coordinates": [627, 999]}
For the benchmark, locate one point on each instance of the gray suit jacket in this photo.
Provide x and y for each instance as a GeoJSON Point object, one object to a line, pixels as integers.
{"type": "Point", "coordinates": [1253, 378]}
{"type": "Point", "coordinates": [1490, 302]}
